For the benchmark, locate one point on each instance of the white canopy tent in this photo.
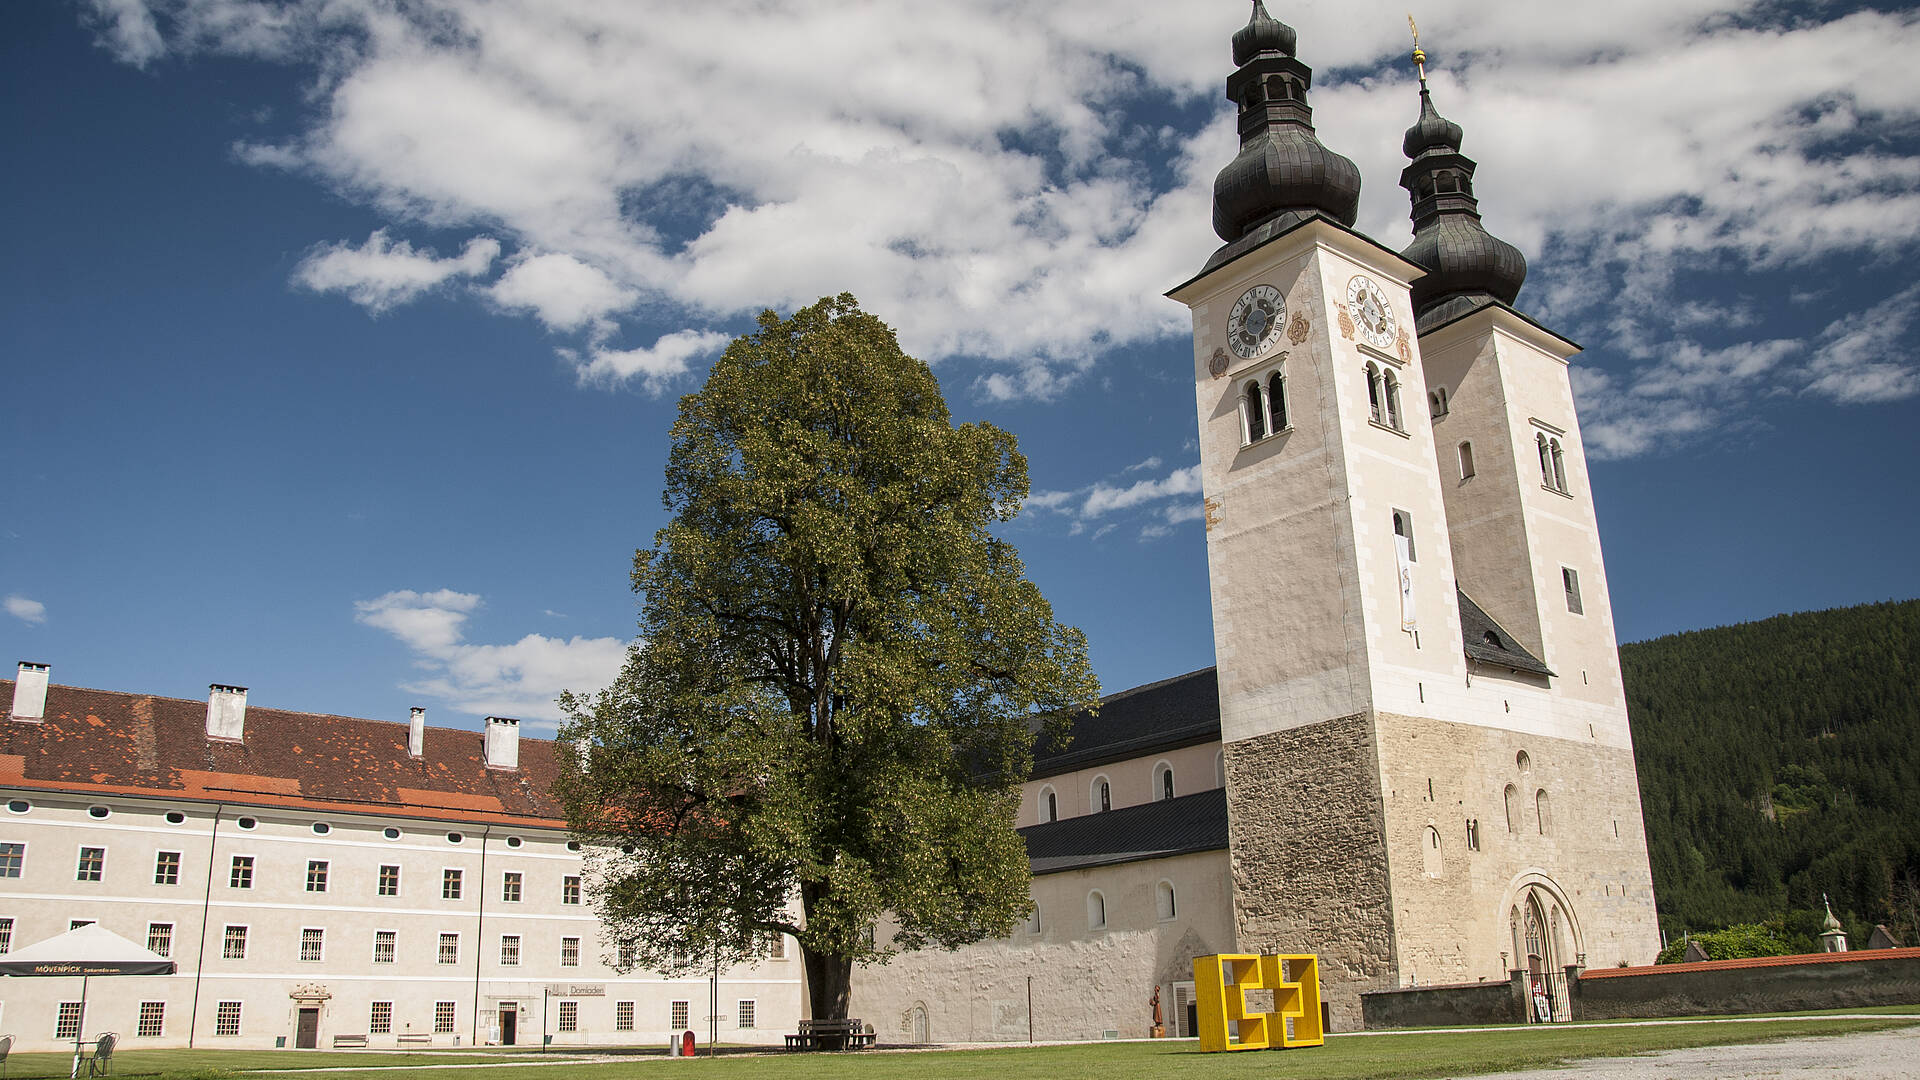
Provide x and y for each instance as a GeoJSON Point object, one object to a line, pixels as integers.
{"type": "Point", "coordinates": [85, 951]}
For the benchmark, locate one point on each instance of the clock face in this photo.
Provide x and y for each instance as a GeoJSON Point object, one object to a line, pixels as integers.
{"type": "Point", "coordinates": [1254, 325]}
{"type": "Point", "coordinates": [1371, 312]}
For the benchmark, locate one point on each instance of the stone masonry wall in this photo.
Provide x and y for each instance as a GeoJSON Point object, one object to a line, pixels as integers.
{"type": "Point", "coordinates": [1309, 864]}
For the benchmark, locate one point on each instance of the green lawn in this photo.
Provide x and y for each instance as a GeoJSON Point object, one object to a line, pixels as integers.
{"type": "Point", "coordinates": [1427, 1054]}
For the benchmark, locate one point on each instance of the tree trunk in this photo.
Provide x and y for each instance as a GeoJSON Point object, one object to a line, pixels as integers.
{"type": "Point", "coordinates": [829, 985]}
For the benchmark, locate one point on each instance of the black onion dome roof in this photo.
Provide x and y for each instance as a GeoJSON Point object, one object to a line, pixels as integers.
{"type": "Point", "coordinates": [1462, 258]}
{"type": "Point", "coordinates": [1263, 33]}
{"type": "Point", "coordinates": [1431, 131]}
{"type": "Point", "coordinates": [1281, 170]}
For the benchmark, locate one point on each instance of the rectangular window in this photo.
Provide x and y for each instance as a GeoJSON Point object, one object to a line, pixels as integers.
{"type": "Point", "coordinates": [389, 880]}
{"type": "Point", "coordinates": [569, 1016]}
{"type": "Point", "coordinates": [384, 946]}
{"type": "Point", "coordinates": [316, 875]}
{"type": "Point", "coordinates": [66, 1023]}
{"type": "Point", "coordinates": [509, 950]}
{"type": "Point", "coordinates": [234, 945]}
{"type": "Point", "coordinates": [443, 1017]}
{"type": "Point", "coordinates": [93, 864]}
{"type": "Point", "coordinates": [166, 868]}
{"type": "Point", "coordinates": [1570, 581]}
{"type": "Point", "coordinates": [226, 1018]}
{"type": "Point", "coordinates": [450, 885]}
{"type": "Point", "coordinates": [6, 934]}
{"type": "Point", "coordinates": [744, 1014]}
{"type": "Point", "coordinates": [510, 887]}
{"type": "Point", "coordinates": [679, 1020]}
{"type": "Point", "coordinates": [569, 952]}
{"type": "Point", "coordinates": [241, 876]}
{"type": "Point", "coordinates": [623, 1016]}
{"type": "Point", "coordinates": [153, 1020]}
{"type": "Point", "coordinates": [312, 942]}
{"type": "Point", "coordinates": [160, 938]}
{"type": "Point", "coordinates": [13, 856]}
{"type": "Point", "coordinates": [569, 889]}
{"type": "Point", "coordinates": [449, 948]}
{"type": "Point", "coordinates": [380, 1018]}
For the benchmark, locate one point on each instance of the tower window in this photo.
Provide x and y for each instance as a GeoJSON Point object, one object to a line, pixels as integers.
{"type": "Point", "coordinates": [1570, 581]}
{"type": "Point", "coordinates": [1543, 808]}
{"type": "Point", "coordinates": [1263, 407]}
{"type": "Point", "coordinates": [1437, 402]}
{"type": "Point", "coordinates": [1403, 533]}
{"type": "Point", "coordinates": [1254, 408]}
{"type": "Point", "coordinates": [1430, 854]}
{"type": "Point", "coordinates": [1466, 460]}
{"type": "Point", "coordinates": [1394, 420]}
{"type": "Point", "coordinates": [1277, 401]}
{"type": "Point", "coordinates": [1374, 395]}
{"type": "Point", "coordinates": [1513, 815]}
{"type": "Point", "coordinates": [1559, 466]}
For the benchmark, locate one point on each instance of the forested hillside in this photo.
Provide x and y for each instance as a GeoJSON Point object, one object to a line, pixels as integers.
{"type": "Point", "coordinates": [1779, 760]}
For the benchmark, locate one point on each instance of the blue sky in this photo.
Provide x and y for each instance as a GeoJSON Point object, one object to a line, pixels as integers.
{"type": "Point", "coordinates": [341, 340]}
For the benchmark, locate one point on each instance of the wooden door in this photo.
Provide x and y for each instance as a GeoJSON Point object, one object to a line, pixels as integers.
{"type": "Point", "coordinates": [306, 1034]}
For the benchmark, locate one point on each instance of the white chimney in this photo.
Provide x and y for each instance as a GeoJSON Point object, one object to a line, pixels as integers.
{"type": "Point", "coordinates": [417, 733]}
{"type": "Point", "coordinates": [226, 712]}
{"type": "Point", "coordinates": [503, 743]}
{"type": "Point", "coordinates": [30, 691]}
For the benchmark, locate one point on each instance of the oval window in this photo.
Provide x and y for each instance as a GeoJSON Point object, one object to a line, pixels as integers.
{"type": "Point", "coordinates": [390, 833]}
{"type": "Point", "coordinates": [175, 817]}
{"type": "Point", "coordinates": [513, 841]}
{"type": "Point", "coordinates": [99, 812]}
{"type": "Point", "coordinates": [321, 828]}
{"type": "Point", "coordinates": [19, 806]}
{"type": "Point", "coordinates": [246, 823]}
{"type": "Point", "coordinates": [573, 845]}
{"type": "Point", "coordinates": [454, 838]}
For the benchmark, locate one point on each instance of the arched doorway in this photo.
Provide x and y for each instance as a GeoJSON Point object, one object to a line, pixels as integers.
{"type": "Point", "coordinates": [1546, 941]}
{"type": "Point", "coordinates": [918, 1020]}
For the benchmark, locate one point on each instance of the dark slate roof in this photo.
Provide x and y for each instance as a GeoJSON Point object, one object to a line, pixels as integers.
{"type": "Point", "coordinates": [103, 742]}
{"type": "Point", "coordinates": [1488, 642]}
{"type": "Point", "coordinates": [1181, 711]}
{"type": "Point", "coordinates": [1154, 830]}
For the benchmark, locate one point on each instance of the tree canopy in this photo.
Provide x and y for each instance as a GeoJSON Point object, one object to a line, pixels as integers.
{"type": "Point", "coordinates": [839, 676]}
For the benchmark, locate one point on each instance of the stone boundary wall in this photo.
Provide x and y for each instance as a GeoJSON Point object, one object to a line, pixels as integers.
{"type": "Point", "coordinates": [1848, 980]}
{"type": "Point", "coordinates": [1443, 1006]}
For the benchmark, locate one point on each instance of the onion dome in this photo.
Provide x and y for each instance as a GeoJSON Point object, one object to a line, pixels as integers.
{"type": "Point", "coordinates": [1282, 174]}
{"type": "Point", "coordinates": [1467, 267]}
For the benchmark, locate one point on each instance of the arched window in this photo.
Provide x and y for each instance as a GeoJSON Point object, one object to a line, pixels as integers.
{"type": "Point", "coordinates": [1437, 402]}
{"type": "Point", "coordinates": [1559, 466]}
{"type": "Point", "coordinates": [1102, 794]}
{"type": "Point", "coordinates": [1253, 412]}
{"type": "Point", "coordinates": [1466, 460]}
{"type": "Point", "coordinates": [1033, 918]}
{"type": "Point", "coordinates": [1513, 808]}
{"type": "Point", "coordinates": [1403, 530]}
{"type": "Point", "coordinates": [1430, 852]}
{"type": "Point", "coordinates": [1542, 806]}
{"type": "Point", "coordinates": [1393, 403]}
{"type": "Point", "coordinates": [1546, 460]}
{"type": "Point", "coordinates": [1163, 781]}
{"type": "Point", "coordinates": [1522, 762]}
{"type": "Point", "coordinates": [1096, 911]}
{"type": "Point", "coordinates": [1276, 402]}
{"type": "Point", "coordinates": [1049, 805]}
{"type": "Point", "coordinates": [1163, 900]}
{"type": "Point", "coordinates": [1374, 395]}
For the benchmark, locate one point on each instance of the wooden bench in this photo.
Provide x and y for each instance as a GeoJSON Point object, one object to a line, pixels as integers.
{"type": "Point", "coordinates": [414, 1038]}
{"type": "Point", "coordinates": [847, 1034]}
{"type": "Point", "coordinates": [341, 1042]}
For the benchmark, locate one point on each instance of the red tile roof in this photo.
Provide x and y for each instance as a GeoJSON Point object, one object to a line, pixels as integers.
{"type": "Point", "coordinates": [105, 742]}
{"type": "Point", "coordinates": [1755, 962]}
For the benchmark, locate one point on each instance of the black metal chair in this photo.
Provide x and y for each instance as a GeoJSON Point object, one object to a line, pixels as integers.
{"type": "Point", "coordinates": [101, 1063]}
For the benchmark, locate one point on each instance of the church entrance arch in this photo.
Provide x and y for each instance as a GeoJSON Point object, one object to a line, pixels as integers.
{"type": "Point", "coordinates": [1546, 941]}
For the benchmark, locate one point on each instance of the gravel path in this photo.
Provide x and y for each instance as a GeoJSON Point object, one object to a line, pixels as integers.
{"type": "Point", "coordinates": [1878, 1055]}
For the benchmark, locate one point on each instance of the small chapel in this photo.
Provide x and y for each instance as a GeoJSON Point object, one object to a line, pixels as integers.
{"type": "Point", "coordinates": [1412, 757]}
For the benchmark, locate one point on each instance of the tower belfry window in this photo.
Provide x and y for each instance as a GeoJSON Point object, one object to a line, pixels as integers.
{"type": "Point", "coordinates": [1373, 392]}
{"type": "Point", "coordinates": [1403, 531]}
{"type": "Point", "coordinates": [1254, 406]}
{"type": "Point", "coordinates": [1277, 401]}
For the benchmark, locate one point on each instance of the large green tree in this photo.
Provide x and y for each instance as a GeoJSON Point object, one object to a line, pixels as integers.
{"type": "Point", "coordinates": [839, 676]}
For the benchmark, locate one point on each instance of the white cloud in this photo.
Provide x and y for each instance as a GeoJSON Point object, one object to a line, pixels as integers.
{"type": "Point", "coordinates": [520, 679]}
{"type": "Point", "coordinates": [561, 291]}
{"type": "Point", "coordinates": [383, 272]}
{"type": "Point", "coordinates": [1103, 498]}
{"type": "Point", "coordinates": [31, 612]}
{"type": "Point", "coordinates": [985, 177]}
{"type": "Point", "coordinates": [656, 366]}
{"type": "Point", "coordinates": [1141, 466]}
{"type": "Point", "coordinates": [1086, 505]}
{"type": "Point", "coordinates": [128, 30]}
{"type": "Point", "coordinates": [1870, 357]}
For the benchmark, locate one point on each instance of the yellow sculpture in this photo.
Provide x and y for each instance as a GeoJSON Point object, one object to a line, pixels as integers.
{"type": "Point", "coordinates": [1247, 1002]}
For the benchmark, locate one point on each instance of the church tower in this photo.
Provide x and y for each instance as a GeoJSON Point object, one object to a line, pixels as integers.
{"type": "Point", "coordinates": [1429, 774]}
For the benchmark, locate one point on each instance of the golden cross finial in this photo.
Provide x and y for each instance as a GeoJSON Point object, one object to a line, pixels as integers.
{"type": "Point", "coordinates": [1419, 56]}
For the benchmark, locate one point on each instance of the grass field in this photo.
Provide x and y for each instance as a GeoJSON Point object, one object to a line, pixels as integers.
{"type": "Point", "coordinates": [1420, 1054]}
